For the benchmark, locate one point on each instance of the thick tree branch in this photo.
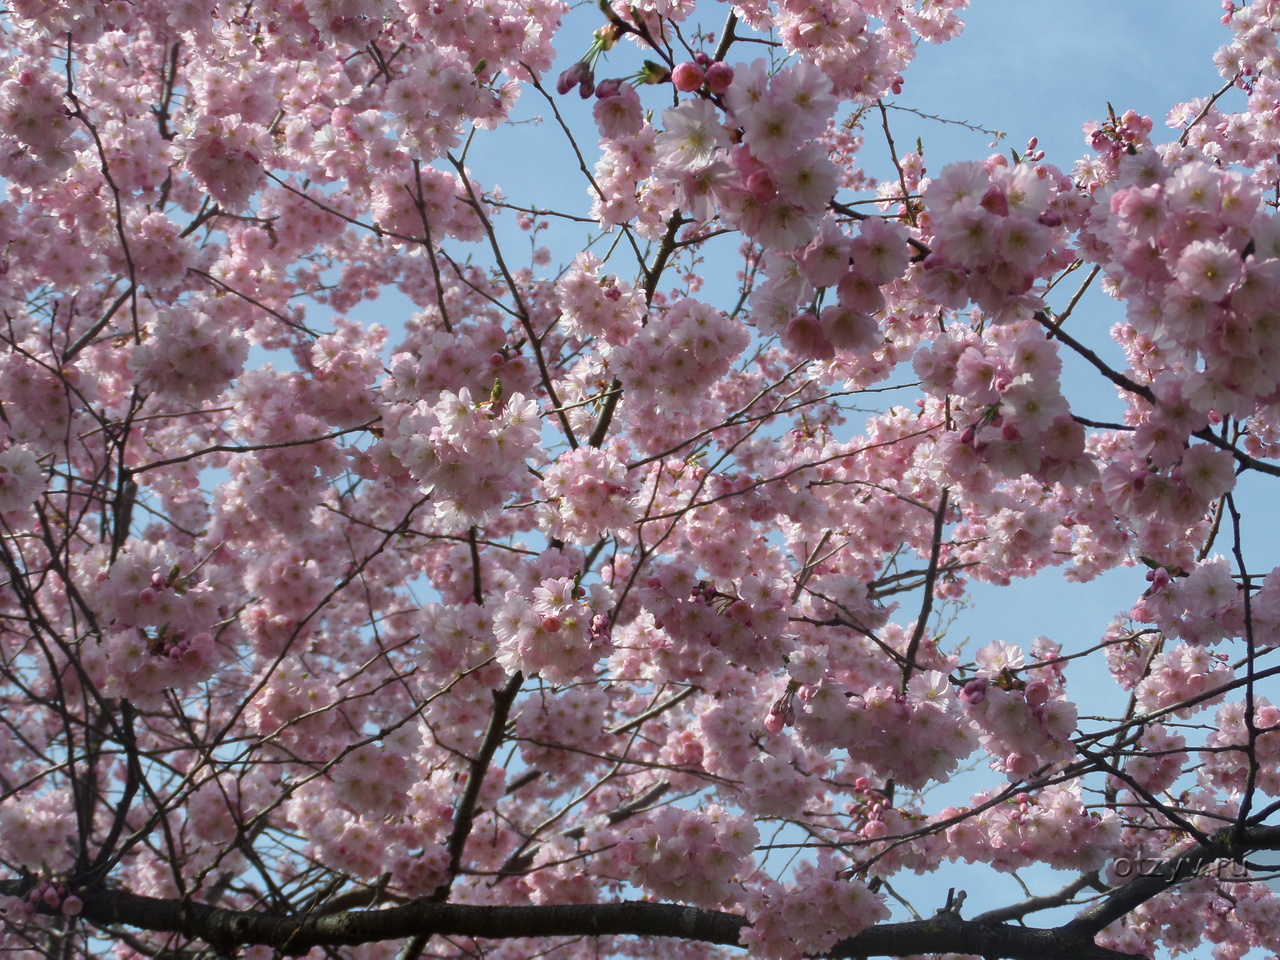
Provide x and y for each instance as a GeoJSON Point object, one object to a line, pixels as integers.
{"type": "Point", "coordinates": [294, 935]}
{"type": "Point", "coordinates": [945, 933]}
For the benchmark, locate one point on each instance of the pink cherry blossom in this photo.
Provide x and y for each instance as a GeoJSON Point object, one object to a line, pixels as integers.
{"type": "Point", "coordinates": [619, 114]}
{"type": "Point", "coordinates": [1208, 270]}
{"type": "Point", "coordinates": [691, 134]}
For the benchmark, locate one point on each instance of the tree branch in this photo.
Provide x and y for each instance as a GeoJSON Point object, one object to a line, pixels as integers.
{"type": "Point", "coordinates": [945, 933]}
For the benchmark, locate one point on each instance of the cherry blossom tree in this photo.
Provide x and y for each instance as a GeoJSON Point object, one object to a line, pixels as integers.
{"type": "Point", "coordinates": [580, 608]}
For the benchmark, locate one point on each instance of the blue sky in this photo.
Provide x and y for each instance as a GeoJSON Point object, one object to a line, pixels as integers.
{"type": "Point", "coordinates": [1044, 67]}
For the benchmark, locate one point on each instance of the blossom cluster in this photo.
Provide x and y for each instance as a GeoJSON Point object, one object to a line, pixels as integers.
{"type": "Point", "coordinates": [37, 413]}
{"type": "Point", "coordinates": [1158, 759]}
{"type": "Point", "coordinates": [226, 154]}
{"type": "Point", "coordinates": [33, 111]}
{"type": "Point", "coordinates": [1008, 408]}
{"type": "Point", "coordinates": [695, 857]}
{"type": "Point", "coordinates": [188, 355]}
{"type": "Point", "coordinates": [21, 479]}
{"type": "Point", "coordinates": [1198, 258]}
{"type": "Point", "coordinates": [473, 358]}
{"type": "Point", "coordinates": [917, 736]}
{"type": "Point", "coordinates": [1018, 831]}
{"type": "Point", "coordinates": [856, 267]}
{"type": "Point", "coordinates": [1185, 673]}
{"type": "Point", "coordinates": [682, 351]}
{"type": "Point", "coordinates": [561, 633]}
{"type": "Point", "coordinates": [573, 718]}
{"type": "Point", "coordinates": [1023, 729]}
{"type": "Point", "coordinates": [775, 184]}
{"type": "Point", "coordinates": [996, 229]}
{"type": "Point", "coordinates": [37, 830]}
{"type": "Point", "coordinates": [1207, 605]}
{"type": "Point", "coordinates": [468, 455]}
{"type": "Point", "coordinates": [1236, 745]}
{"type": "Point", "coordinates": [598, 306]}
{"type": "Point", "coordinates": [807, 917]}
{"type": "Point", "coordinates": [699, 623]}
{"type": "Point", "coordinates": [588, 496]}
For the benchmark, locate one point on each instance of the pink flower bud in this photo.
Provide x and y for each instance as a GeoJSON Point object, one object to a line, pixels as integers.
{"type": "Point", "coordinates": [762, 186]}
{"type": "Point", "coordinates": [782, 713]}
{"type": "Point", "coordinates": [1037, 693]}
{"type": "Point", "coordinates": [805, 336]}
{"type": "Point", "coordinates": [719, 76]}
{"type": "Point", "coordinates": [608, 88]}
{"type": "Point", "coordinates": [72, 906]}
{"type": "Point", "coordinates": [551, 624]}
{"type": "Point", "coordinates": [874, 829]}
{"type": "Point", "coordinates": [575, 75]}
{"type": "Point", "coordinates": [687, 77]}
{"type": "Point", "coordinates": [1019, 764]}
{"type": "Point", "coordinates": [974, 692]}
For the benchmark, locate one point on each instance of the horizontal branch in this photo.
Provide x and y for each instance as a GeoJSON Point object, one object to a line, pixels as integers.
{"type": "Point", "coordinates": [227, 929]}
{"type": "Point", "coordinates": [944, 933]}
{"type": "Point", "coordinates": [947, 933]}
